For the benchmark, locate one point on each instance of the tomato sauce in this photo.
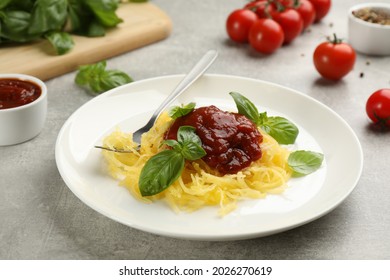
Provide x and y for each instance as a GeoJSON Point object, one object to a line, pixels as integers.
{"type": "Point", "coordinates": [16, 92]}
{"type": "Point", "coordinates": [231, 140]}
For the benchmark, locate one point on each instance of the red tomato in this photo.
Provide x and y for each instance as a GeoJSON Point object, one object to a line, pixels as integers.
{"type": "Point", "coordinates": [334, 59]}
{"type": "Point", "coordinates": [307, 12]}
{"type": "Point", "coordinates": [262, 8]}
{"type": "Point", "coordinates": [286, 3]}
{"type": "Point", "coordinates": [266, 36]}
{"type": "Point", "coordinates": [291, 23]}
{"type": "Point", "coordinates": [254, 4]}
{"type": "Point", "coordinates": [238, 24]}
{"type": "Point", "coordinates": [378, 107]}
{"type": "Point", "coordinates": [322, 8]}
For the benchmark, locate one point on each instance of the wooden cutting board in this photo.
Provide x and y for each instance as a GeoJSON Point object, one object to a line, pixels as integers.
{"type": "Point", "coordinates": [143, 23]}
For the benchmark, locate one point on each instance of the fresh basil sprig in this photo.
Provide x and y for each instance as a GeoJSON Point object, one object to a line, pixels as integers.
{"type": "Point", "coordinates": [284, 132]}
{"type": "Point", "coordinates": [163, 169]}
{"type": "Point", "coordinates": [281, 129]}
{"type": "Point", "coordinates": [177, 111]}
{"type": "Point", "coordinates": [304, 162]}
{"type": "Point", "coordinates": [98, 79]}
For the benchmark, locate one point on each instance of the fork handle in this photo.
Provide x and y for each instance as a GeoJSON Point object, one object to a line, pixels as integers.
{"type": "Point", "coordinates": [199, 68]}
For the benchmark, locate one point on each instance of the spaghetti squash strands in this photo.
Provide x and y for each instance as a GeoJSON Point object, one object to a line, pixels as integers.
{"type": "Point", "coordinates": [199, 185]}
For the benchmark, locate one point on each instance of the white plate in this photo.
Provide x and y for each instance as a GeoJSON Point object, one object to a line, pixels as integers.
{"type": "Point", "coordinates": [130, 106]}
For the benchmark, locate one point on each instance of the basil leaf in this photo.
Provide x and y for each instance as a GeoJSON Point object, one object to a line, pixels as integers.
{"type": "Point", "coordinates": [48, 15]}
{"type": "Point", "coordinates": [14, 26]}
{"type": "Point", "coordinates": [25, 5]}
{"type": "Point", "coordinates": [190, 143]}
{"type": "Point", "coordinates": [304, 162]}
{"type": "Point", "coordinates": [160, 171]}
{"type": "Point", "coordinates": [79, 17]}
{"type": "Point", "coordinates": [4, 3]}
{"type": "Point", "coordinates": [192, 151]}
{"type": "Point", "coordinates": [88, 72]}
{"type": "Point", "coordinates": [245, 107]}
{"type": "Point", "coordinates": [61, 41]}
{"type": "Point", "coordinates": [105, 11]}
{"type": "Point", "coordinates": [177, 111]}
{"type": "Point", "coordinates": [89, 76]}
{"type": "Point", "coordinates": [172, 143]}
{"type": "Point", "coordinates": [281, 129]}
{"type": "Point", "coordinates": [113, 78]}
{"type": "Point", "coordinates": [98, 79]}
{"type": "Point", "coordinates": [186, 134]}
{"type": "Point", "coordinates": [95, 29]}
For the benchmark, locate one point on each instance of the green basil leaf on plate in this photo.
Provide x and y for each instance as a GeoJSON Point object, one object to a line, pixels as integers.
{"type": "Point", "coordinates": [281, 129]}
{"type": "Point", "coordinates": [304, 162]}
{"type": "Point", "coordinates": [160, 171]}
{"type": "Point", "coordinates": [191, 145]}
{"type": "Point", "coordinates": [173, 143]}
{"type": "Point", "coordinates": [192, 151]}
{"type": "Point", "coordinates": [246, 107]}
{"type": "Point", "coordinates": [180, 111]}
{"type": "Point", "coordinates": [186, 134]}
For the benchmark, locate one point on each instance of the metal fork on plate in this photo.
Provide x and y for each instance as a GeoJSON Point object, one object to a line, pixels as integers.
{"type": "Point", "coordinates": [199, 68]}
{"type": "Point", "coordinates": [203, 64]}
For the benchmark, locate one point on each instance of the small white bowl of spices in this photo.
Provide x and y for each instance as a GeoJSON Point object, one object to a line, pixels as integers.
{"type": "Point", "coordinates": [369, 28]}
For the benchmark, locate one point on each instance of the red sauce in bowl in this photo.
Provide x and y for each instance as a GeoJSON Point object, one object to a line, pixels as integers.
{"type": "Point", "coordinates": [231, 140]}
{"type": "Point", "coordinates": [15, 92]}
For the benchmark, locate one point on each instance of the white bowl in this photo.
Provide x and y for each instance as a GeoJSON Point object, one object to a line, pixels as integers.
{"type": "Point", "coordinates": [366, 37]}
{"type": "Point", "coordinates": [23, 123]}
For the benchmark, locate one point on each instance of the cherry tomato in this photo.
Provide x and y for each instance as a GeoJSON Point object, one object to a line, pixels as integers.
{"type": "Point", "coordinates": [378, 107]}
{"type": "Point", "coordinates": [262, 8]}
{"type": "Point", "coordinates": [334, 59]}
{"type": "Point", "coordinates": [238, 24]}
{"type": "Point", "coordinates": [322, 8]}
{"type": "Point", "coordinates": [291, 23]}
{"type": "Point", "coordinates": [266, 36]}
{"type": "Point", "coordinates": [307, 12]}
{"type": "Point", "coordinates": [286, 3]}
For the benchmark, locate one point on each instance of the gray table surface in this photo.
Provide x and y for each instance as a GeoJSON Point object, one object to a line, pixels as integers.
{"type": "Point", "coordinates": [40, 218]}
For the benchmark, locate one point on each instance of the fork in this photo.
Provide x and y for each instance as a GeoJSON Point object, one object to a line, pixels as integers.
{"type": "Point", "coordinates": [199, 68]}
